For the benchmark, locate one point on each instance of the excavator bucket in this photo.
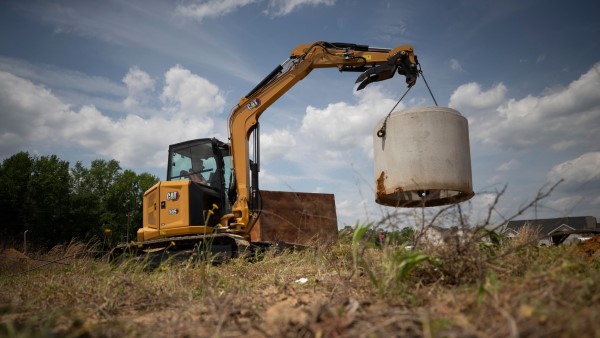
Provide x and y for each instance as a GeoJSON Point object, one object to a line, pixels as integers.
{"type": "Point", "coordinates": [296, 218]}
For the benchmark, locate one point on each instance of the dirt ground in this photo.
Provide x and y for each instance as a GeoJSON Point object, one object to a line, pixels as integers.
{"type": "Point", "coordinates": [313, 295]}
{"type": "Point", "coordinates": [296, 312]}
{"type": "Point", "coordinates": [311, 308]}
{"type": "Point", "coordinates": [284, 306]}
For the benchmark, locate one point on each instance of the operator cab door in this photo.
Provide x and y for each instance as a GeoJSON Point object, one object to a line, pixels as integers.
{"type": "Point", "coordinates": [206, 165]}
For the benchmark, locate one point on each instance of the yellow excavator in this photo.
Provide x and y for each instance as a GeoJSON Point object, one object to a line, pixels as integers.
{"type": "Point", "coordinates": [211, 195]}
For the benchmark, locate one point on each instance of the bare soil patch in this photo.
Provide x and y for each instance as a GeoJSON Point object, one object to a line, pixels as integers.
{"type": "Point", "coordinates": [12, 260]}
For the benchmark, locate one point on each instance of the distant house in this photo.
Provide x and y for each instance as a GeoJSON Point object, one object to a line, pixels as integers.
{"type": "Point", "coordinates": [554, 231]}
{"type": "Point", "coordinates": [437, 235]}
{"type": "Point", "coordinates": [432, 235]}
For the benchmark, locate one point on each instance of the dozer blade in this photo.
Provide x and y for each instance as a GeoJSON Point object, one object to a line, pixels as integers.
{"type": "Point", "coordinates": [296, 218]}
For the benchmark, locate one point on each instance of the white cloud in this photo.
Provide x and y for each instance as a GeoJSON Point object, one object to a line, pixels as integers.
{"type": "Point", "coordinates": [357, 209]}
{"type": "Point", "coordinates": [273, 177]}
{"type": "Point", "coordinates": [510, 165]}
{"type": "Point", "coordinates": [276, 144]}
{"type": "Point", "coordinates": [200, 10]}
{"type": "Point", "coordinates": [189, 95]}
{"type": "Point", "coordinates": [25, 109]}
{"type": "Point", "coordinates": [470, 97]}
{"type": "Point", "coordinates": [564, 206]}
{"type": "Point", "coordinates": [584, 169]}
{"type": "Point", "coordinates": [577, 193]}
{"type": "Point", "coordinates": [456, 66]}
{"type": "Point", "coordinates": [342, 127]}
{"type": "Point", "coordinates": [388, 32]}
{"type": "Point", "coordinates": [58, 78]}
{"type": "Point", "coordinates": [541, 58]}
{"type": "Point", "coordinates": [563, 145]}
{"type": "Point", "coordinates": [31, 115]}
{"type": "Point", "coordinates": [285, 7]}
{"type": "Point", "coordinates": [139, 86]}
{"type": "Point", "coordinates": [494, 179]}
{"type": "Point", "coordinates": [561, 119]}
{"type": "Point", "coordinates": [211, 8]}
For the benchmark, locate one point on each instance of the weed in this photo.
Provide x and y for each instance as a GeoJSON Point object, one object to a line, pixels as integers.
{"type": "Point", "coordinates": [393, 264]}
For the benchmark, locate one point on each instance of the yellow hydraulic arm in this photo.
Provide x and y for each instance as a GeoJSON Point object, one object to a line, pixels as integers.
{"type": "Point", "coordinates": [376, 64]}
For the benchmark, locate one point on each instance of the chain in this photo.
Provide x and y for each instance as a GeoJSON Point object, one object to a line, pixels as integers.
{"type": "Point", "coordinates": [427, 85]}
{"type": "Point", "coordinates": [381, 131]}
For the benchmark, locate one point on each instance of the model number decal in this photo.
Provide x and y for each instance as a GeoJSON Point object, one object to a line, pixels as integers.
{"type": "Point", "coordinates": [172, 196]}
{"type": "Point", "coordinates": [173, 211]}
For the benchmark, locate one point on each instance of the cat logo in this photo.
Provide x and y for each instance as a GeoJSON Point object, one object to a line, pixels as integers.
{"type": "Point", "coordinates": [253, 104]}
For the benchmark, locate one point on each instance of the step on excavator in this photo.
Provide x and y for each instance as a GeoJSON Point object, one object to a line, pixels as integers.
{"type": "Point", "coordinates": [211, 199]}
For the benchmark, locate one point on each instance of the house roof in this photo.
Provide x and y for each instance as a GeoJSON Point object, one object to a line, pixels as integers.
{"type": "Point", "coordinates": [550, 225]}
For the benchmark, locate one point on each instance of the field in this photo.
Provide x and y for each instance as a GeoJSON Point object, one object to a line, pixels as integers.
{"type": "Point", "coordinates": [462, 288]}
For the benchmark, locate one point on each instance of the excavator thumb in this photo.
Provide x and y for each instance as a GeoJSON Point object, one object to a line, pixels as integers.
{"type": "Point", "coordinates": [398, 62]}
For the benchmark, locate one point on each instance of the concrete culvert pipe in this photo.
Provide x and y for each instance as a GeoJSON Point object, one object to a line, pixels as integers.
{"type": "Point", "coordinates": [422, 158]}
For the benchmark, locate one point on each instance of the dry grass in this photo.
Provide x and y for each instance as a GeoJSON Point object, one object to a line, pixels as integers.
{"type": "Point", "coordinates": [456, 289]}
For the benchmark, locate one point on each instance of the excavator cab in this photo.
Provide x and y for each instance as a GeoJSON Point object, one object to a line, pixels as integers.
{"type": "Point", "coordinates": [195, 195]}
{"type": "Point", "coordinates": [207, 164]}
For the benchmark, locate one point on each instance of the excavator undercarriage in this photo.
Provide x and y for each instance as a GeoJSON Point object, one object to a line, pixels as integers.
{"type": "Point", "coordinates": [215, 248]}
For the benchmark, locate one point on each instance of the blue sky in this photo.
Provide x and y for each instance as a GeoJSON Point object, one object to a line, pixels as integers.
{"type": "Point", "coordinates": [124, 79]}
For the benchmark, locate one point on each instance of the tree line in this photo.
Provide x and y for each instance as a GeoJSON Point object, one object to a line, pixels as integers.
{"type": "Point", "coordinates": [51, 202]}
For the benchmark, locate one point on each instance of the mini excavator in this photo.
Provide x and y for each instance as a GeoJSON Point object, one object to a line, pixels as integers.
{"type": "Point", "coordinates": [211, 198]}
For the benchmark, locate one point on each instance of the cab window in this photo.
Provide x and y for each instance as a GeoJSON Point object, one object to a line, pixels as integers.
{"type": "Point", "coordinates": [196, 163]}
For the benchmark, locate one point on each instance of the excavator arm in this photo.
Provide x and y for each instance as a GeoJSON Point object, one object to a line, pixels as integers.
{"type": "Point", "coordinates": [375, 64]}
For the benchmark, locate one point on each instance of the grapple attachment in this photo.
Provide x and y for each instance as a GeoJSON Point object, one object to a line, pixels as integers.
{"type": "Point", "coordinates": [398, 62]}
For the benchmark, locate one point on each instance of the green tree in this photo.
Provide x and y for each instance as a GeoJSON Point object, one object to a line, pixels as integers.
{"type": "Point", "coordinates": [124, 204]}
{"type": "Point", "coordinates": [15, 173]}
{"type": "Point", "coordinates": [405, 236]}
{"type": "Point", "coordinates": [105, 197]}
{"type": "Point", "coordinates": [102, 175]}
{"type": "Point", "coordinates": [86, 203]}
{"type": "Point", "coordinates": [57, 203]}
{"type": "Point", "coordinates": [48, 200]}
